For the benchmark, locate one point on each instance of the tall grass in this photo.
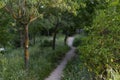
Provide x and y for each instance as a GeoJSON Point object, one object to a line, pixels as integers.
{"type": "Point", "coordinates": [42, 61]}
{"type": "Point", "coordinates": [76, 71]}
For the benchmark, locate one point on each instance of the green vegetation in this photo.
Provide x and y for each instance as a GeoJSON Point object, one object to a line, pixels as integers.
{"type": "Point", "coordinates": [76, 71]}
{"type": "Point", "coordinates": [98, 51]}
{"type": "Point", "coordinates": [42, 61]}
{"type": "Point", "coordinates": [101, 46]}
{"type": "Point", "coordinates": [78, 40]}
{"type": "Point", "coordinates": [31, 32]}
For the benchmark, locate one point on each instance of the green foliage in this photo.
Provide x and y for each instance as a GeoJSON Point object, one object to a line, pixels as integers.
{"type": "Point", "coordinates": [100, 50]}
{"type": "Point", "coordinates": [77, 41]}
{"type": "Point", "coordinates": [76, 71]}
{"type": "Point", "coordinates": [2, 4]}
{"type": "Point", "coordinates": [58, 54]}
{"type": "Point", "coordinates": [42, 62]}
{"type": "Point", "coordinates": [22, 11]}
{"type": "Point", "coordinates": [46, 43]}
{"type": "Point", "coordinates": [4, 28]}
{"type": "Point", "coordinates": [11, 66]}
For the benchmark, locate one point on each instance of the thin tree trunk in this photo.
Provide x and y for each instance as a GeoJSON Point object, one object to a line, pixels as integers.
{"type": "Point", "coordinates": [54, 40]}
{"type": "Point", "coordinates": [26, 46]}
{"type": "Point", "coordinates": [65, 40]}
{"type": "Point", "coordinates": [54, 37]}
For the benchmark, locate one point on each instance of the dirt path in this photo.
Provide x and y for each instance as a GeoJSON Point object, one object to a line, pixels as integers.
{"type": "Point", "coordinates": [57, 73]}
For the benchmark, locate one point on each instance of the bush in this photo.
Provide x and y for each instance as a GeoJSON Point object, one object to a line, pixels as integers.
{"type": "Point", "coordinates": [100, 49]}
{"type": "Point", "coordinates": [77, 41]}
{"type": "Point", "coordinates": [76, 71]}
{"type": "Point", "coordinates": [46, 43]}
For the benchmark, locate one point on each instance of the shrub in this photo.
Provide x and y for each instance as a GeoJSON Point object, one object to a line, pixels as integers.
{"type": "Point", "coordinates": [76, 71]}
{"type": "Point", "coordinates": [46, 43]}
{"type": "Point", "coordinates": [77, 41]}
{"type": "Point", "coordinates": [100, 49]}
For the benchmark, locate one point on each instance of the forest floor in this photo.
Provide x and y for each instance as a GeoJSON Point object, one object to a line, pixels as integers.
{"type": "Point", "coordinates": [57, 73]}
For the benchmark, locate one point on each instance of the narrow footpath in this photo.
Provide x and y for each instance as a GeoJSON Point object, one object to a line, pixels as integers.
{"type": "Point", "coordinates": [57, 73]}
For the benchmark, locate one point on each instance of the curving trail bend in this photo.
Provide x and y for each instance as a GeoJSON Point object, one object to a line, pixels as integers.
{"type": "Point", "coordinates": [57, 73]}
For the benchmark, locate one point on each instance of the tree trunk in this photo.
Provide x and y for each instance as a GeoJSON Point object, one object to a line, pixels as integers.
{"type": "Point", "coordinates": [26, 46]}
{"type": "Point", "coordinates": [65, 40]}
{"type": "Point", "coordinates": [54, 37]}
{"type": "Point", "coordinates": [54, 40]}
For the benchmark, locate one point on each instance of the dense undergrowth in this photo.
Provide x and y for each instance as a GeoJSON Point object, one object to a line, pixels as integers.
{"type": "Point", "coordinates": [42, 61]}
{"type": "Point", "coordinates": [76, 71]}
{"type": "Point", "coordinates": [99, 51]}
{"type": "Point", "coordinates": [91, 66]}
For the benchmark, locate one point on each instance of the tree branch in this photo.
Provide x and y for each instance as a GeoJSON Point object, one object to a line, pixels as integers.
{"type": "Point", "coordinates": [11, 12]}
{"type": "Point", "coordinates": [33, 19]}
